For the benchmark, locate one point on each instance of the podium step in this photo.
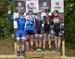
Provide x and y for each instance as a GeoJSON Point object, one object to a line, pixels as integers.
{"type": "Point", "coordinates": [42, 55]}
{"type": "Point", "coordinates": [34, 54]}
{"type": "Point", "coordinates": [52, 54]}
{"type": "Point", "coordinates": [11, 57]}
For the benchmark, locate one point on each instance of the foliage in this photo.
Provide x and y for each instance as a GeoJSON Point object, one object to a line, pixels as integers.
{"type": "Point", "coordinates": [6, 27]}
{"type": "Point", "coordinates": [69, 14]}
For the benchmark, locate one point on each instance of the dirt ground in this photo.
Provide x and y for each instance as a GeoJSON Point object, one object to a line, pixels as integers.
{"type": "Point", "coordinates": [7, 48]}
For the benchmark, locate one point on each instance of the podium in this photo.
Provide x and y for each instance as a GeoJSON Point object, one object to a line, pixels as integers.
{"type": "Point", "coordinates": [42, 55]}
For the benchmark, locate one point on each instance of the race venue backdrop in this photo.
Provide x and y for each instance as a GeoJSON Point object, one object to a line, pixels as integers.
{"type": "Point", "coordinates": [35, 5]}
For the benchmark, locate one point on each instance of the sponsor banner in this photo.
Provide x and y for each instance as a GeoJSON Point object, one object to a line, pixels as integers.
{"type": "Point", "coordinates": [19, 6]}
{"type": "Point", "coordinates": [32, 4]}
{"type": "Point", "coordinates": [57, 5]}
{"type": "Point", "coordinates": [44, 4]}
{"type": "Point", "coordinates": [35, 5]}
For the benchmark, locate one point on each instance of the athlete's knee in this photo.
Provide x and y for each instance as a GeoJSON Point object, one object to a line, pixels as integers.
{"type": "Point", "coordinates": [55, 37]}
{"type": "Point", "coordinates": [18, 42]}
{"type": "Point", "coordinates": [59, 38]}
{"type": "Point", "coordinates": [36, 37]}
{"type": "Point", "coordinates": [31, 43]}
{"type": "Point", "coordinates": [31, 37]}
{"type": "Point", "coordinates": [40, 35]}
{"type": "Point", "coordinates": [18, 39]}
{"type": "Point", "coordinates": [27, 36]}
{"type": "Point", "coordinates": [44, 35]}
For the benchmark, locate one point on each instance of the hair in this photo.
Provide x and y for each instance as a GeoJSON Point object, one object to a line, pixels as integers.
{"type": "Point", "coordinates": [46, 10]}
{"type": "Point", "coordinates": [56, 11]}
{"type": "Point", "coordinates": [53, 13]}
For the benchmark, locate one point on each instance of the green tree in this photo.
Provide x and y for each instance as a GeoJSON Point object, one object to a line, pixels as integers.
{"type": "Point", "coordinates": [69, 14]}
{"type": "Point", "coordinates": [5, 25]}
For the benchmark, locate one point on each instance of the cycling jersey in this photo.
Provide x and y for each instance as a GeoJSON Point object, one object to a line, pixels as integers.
{"type": "Point", "coordinates": [20, 33]}
{"type": "Point", "coordinates": [30, 23]}
{"type": "Point", "coordinates": [57, 23]}
{"type": "Point", "coordinates": [20, 22]}
{"type": "Point", "coordinates": [47, 23]}
{"type": "Point", "coordinates": [38, 24]}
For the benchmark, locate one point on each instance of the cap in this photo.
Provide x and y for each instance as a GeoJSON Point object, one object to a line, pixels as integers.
{"type": "Point", "coordinates": [30, 10]}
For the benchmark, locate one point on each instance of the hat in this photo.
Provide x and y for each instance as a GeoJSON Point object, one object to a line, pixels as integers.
{"type": "Point", "coordinates": [30, 10]}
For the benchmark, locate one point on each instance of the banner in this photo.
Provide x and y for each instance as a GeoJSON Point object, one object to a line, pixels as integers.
{"type": "Point", "coordinates": [32, 4]}
{"type": "Point", "coordinates": [44, 4]}
{"type": "Point", "coordinates": [35, 5]}
{"type": "Point", "coordinates": [19, 6]}
{"type": "Point", "coordinates": [57, 5]}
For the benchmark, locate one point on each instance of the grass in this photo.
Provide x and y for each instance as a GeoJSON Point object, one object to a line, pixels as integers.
{"type": "Point", "coordinates": [7, 47]}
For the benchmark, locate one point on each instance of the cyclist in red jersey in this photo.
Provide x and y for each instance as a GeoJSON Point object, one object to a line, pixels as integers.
{"type": "Point", "coordinates": [57, 30]}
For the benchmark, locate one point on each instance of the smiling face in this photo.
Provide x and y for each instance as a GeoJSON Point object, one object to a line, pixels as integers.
{"type": "Point", "coordinates": [30, 13]}
{"type": "Point", "coordinates": [55, 13]}
{"type": "Point", "coordinates": [47, 13]}
{"type": "Point", "coordinates": [21, 15]}
{"type": "Point", "coordinates": [39, 13]}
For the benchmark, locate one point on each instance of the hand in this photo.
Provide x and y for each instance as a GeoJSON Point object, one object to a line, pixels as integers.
{"type": "Point", "coordinates": [62, 31]}
{"type": "Point", "coordinates": [9, 12]}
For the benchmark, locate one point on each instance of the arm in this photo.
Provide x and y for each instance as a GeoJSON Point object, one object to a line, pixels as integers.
{"type": "Point", "coordinates": [9, 16]}
{"type": "Point", "coordinates": [33, 21]}
{"type": "Point", "coordinates": [43, 22]}
{"type": "Point", "coordinates": [51, 20]}
{"type": "Point", "coordinates": [25, 24]}
{"type": "Point", "coordinates": [62, 25]}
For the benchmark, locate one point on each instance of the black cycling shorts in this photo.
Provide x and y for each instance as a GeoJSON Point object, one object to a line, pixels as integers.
{"type": "Point", "coordinates": [29, 32]}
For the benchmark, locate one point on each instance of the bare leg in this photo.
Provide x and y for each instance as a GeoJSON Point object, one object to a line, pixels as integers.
{"type": "Point", "coordinates": [18, 45]}
{"type": "Point", "coordinates": [59, 42]}
{"type": "Point", "coordinates": [23, 47]}
{"type": "Point", "coordinates": [56, 43]}
{"type": "Point", "coordinates": [27, 42]}
{"type": "Point", "coordinates": [23, 44]}
{"type": "Point", "coordinates": [31, 43]}
{"type": "Point", "coordinates": [36, 37]}
{"type": "Point", "coordinates": [44, 41]}
{"type": "Point", "coordinates": [49, 41]}
{"type": "Point", "coordinates": [40, 41]}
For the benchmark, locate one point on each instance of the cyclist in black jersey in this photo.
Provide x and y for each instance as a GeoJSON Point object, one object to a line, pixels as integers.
{"type": "Point", "coordinates": [47, 23]}
{"type": "Point", "coordinates": [38, 31]}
